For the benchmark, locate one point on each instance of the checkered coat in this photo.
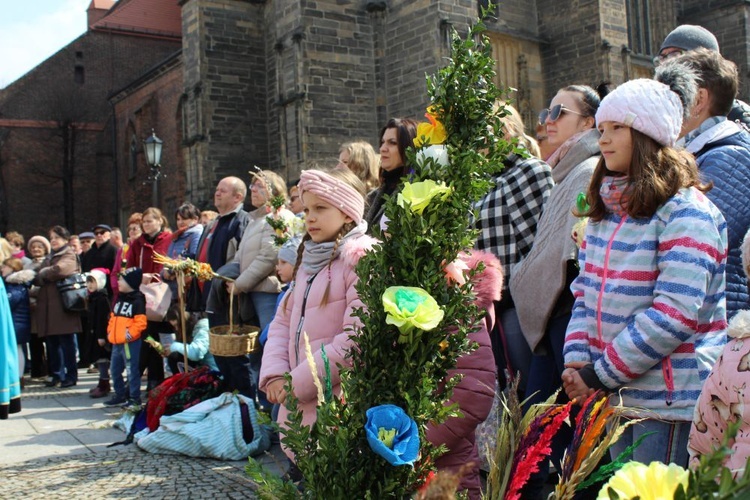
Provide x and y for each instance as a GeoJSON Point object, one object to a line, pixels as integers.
{"type": "Point", "coordinates": [508, 214]}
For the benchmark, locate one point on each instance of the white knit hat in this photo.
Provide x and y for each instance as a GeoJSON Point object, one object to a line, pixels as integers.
{"type": "Point", "coordinates": [99, 276]}
{"type": "Point", "coordinates": [648, 106]}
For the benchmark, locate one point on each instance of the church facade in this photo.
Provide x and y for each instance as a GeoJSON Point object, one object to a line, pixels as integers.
{"type": "Point", "coordinates": [281, 84]}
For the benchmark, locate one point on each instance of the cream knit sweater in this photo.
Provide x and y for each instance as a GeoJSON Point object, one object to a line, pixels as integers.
{"type": "Point", "coordinates": [537, 281]}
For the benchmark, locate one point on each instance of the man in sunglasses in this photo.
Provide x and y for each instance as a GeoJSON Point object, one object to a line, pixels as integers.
{"type": "Point", "coordinates": [687, 37]}
{"type": "Point", "coordinates": [102, 253]}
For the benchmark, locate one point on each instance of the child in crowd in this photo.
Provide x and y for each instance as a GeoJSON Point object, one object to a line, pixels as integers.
{"type": "Point", "coordinates": [98, 320]}
{"type": "Point", "coordinates": [126, 324]}
{"type": "Point", "coordinates": [17, 283]}
{"type": "Point", "coordinates": [322, 296]}
{"type": "Point", "coordinates": [725, 396]}
{"type": "Point", "coordinates": [196, 337]}
{"type": "Point", "coordinates": [649, 317]}
{"type": "Point", "coordinates": [285, 272]}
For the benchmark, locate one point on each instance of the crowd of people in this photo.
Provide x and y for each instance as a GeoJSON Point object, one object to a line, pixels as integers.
{"type": "Point", "coordinates": [637, 305]}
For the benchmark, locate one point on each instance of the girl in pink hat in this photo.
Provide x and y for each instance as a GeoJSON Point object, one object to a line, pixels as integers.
{"type": "Point", "coordinates": [322, 295]}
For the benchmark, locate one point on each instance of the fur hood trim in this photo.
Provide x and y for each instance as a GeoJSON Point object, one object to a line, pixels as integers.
{"type": "Point", "coordinates": [355, 249]}
{"type": "Point", "coordinates": [22, 277]}
{"type": "Point", "coordinates": [488, 284]}
{"type": "Point", "coordinates": [739, 325]}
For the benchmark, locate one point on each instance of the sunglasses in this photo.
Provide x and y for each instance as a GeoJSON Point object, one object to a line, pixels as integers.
{"type": "Point", "coordinates": [99, 233]}
{"type": "Point", "coordinates": [554, 113]}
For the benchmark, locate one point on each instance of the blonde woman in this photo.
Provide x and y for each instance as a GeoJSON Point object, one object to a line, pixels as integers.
{"type": "Point", "coordinates": [155, 238]}
{"type": "Point", "coordinates": [360, 158]}
{"type": "Point", "coordinates": [6, 250]}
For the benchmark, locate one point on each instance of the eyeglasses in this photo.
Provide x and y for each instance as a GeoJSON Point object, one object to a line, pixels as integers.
{"type": "Point", "coordinates": [554, 113]}
{"type": "Point", "coordinates": [99, 233]}
{"type": "Point", "coordinates": [666, 55]}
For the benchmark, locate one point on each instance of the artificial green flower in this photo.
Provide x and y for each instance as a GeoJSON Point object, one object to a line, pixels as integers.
{"type": "Point", "coordinates": [655, 481]}
{"type": "Point", "coordinates": [411, 307]}
{"type": "Point", "coordinates": [419, 194]}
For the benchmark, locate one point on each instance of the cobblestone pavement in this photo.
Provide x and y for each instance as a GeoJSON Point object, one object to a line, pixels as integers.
{"type": "Point", "coordinates": [56, 448]}
{"type": "Point", "coordinates": [125, 473]}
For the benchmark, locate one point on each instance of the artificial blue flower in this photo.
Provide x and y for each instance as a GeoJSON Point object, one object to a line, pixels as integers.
{"type": "Point", "coordinates": [392, 434]}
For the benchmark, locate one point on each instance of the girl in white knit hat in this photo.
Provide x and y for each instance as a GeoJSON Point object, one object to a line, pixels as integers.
{"type": "Point", "coordinates": [649, 317]}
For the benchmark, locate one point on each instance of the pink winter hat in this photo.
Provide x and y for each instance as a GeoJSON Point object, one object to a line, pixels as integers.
{"type": "Point", "coordinates": [334, 191]}
{"type": "Point", "coordinates": [648, 106]}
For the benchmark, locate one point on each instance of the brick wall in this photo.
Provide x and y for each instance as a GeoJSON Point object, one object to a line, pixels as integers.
{"type": "Point", "coordinates": [69, 87]}
{"type": "Point", "coordinates": [155, 105]}
{"type": "Point", "coordinates": [573, 48]}
{"type": "Point", "coordinates": [225, 92]}
{"type": "Point", "coordinates": [339, 78]}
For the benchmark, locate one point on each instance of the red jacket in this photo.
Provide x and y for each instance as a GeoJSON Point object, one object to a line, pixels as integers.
{"type": "Point", "coordinates": [476, 391]}
{"type": "Point", "coordinates": [141, 253]}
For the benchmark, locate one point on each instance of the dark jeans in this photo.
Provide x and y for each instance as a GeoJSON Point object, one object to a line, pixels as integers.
{"type": "Point", "coordinates": [83, 339]}
{"type": "Point", "coordinates": [150, 358]}
{"type": "Point", "coordinates": [511, 351]}
{"type": "Point", "coordinates": [237, 374]}
{"type": "Point", "coordinates": [38, 357]}
{"type": "Point", "coordinates": [545, 377]}
{"type": "Point", "coordinates": [61, 350]}
{"type": "Point", "coordinates": [126, 360]}
{"type": "Point", "coordinates": [176, 363]}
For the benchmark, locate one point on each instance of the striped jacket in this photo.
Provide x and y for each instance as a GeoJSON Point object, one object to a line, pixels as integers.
{"type": "Point", "coordinates": [650, 308]}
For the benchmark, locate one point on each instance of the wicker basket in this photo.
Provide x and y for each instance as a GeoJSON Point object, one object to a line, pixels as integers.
{"type": "Point", "coordinates": [243, 341]}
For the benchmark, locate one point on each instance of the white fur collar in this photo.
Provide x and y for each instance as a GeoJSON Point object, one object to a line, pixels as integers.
{"type": "Point", "coordinates": [20, 277]}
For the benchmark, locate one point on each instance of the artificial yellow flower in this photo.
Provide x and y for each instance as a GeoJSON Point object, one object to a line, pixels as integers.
{"type": "Point", "coordinates": [411, 307]}
{"type": "Point", "coordinates": [419, 194]}
{"type": "Point", "coordinates": [655, 481]}
{"type": "Point", "coordinates": [430, 133]}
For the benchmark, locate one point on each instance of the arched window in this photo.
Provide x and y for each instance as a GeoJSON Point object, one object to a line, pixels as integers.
{"type": "Point", "coordinates": [133, 157]}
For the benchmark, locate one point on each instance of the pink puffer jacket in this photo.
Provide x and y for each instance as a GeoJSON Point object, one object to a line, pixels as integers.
{"type": "Point", "coordinates": [475, 392]}
{"type": "Point", "coordinates": [725, 397]}
{"type": "Point", "coordinates": [328, 325]}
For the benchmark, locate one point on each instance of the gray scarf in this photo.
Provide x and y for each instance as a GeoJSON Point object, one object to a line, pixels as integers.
{"type": "Point", "coordinates": [317, 255]}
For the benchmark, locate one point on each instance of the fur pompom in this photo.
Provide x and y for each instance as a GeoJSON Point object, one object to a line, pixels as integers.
{"type": "Point", "coordinates": [739, 325]}
{"type": "Point", "coordinates": [682, 80]}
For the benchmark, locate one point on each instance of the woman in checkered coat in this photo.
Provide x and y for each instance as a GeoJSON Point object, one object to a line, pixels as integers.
{"type": "Point", "coordinates": [507, 222]}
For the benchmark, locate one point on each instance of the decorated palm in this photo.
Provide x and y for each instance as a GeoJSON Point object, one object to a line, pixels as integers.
{"type": "Point", "coordinates": [370, 441]}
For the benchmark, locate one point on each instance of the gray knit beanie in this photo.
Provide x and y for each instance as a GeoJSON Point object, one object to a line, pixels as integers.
{"type": "Point", "coordinates": [288, 251]}
{"type": "Point", "coordinates": [689, 37]}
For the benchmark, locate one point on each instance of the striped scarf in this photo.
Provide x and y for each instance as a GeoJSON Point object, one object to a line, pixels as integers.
{"type": "Point", "coordinates": [615, 194]}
